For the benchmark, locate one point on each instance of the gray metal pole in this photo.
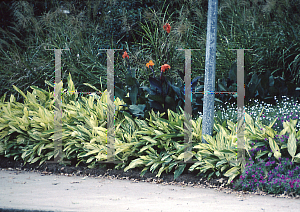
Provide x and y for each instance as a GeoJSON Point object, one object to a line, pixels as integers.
{"type": "Point", "coordinates": [210, 66]}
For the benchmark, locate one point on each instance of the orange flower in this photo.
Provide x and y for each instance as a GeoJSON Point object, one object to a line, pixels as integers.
{"type": "Point", "coordinates": [150, 64]}
{"type": "Point", "coordinates": [125, 55]}
{"type": "Point", "coordinates": [165, 67]}
{"type": "Point", "coordinates": [167, 27]}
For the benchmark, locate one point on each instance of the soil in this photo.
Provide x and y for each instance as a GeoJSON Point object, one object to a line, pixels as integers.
{"type": "Point", "coordinates": [186, 178]}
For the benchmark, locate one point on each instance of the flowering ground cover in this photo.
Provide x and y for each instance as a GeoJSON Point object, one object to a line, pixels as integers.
{"type": "Point", "coordinates": [268, 174]}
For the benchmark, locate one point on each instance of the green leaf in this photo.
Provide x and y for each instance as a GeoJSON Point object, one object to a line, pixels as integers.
{"type": "Point", "coordinates": [90, 159]}
{"type": "Point", "coordinates": [143, 172]}
{"type": "Point", "coordinates": [130, 81]}
{"type": "Point", "coordinates": [147, 138]}
{"type": "Point", "coordinates": [220, 163]}
{"type": "Point", "coordinates": [249, 120]}
{"type": "Point", "coordinates": [96, 151]}
{"type": "Point", "coordinates": [172, 165]}
{"type": "Point", "coordinates": [120, 93]}
{"type": "Point", "coordinates": [292, 147]}
{"type": "Point", "coordinates": [224, 167]}
{"type": "Point", "coordinates": [134, 164]}
{"type": "Point", "coordinates": [179, 170]}
{"type": "Point", "coordinates": [154, 166]}
{"type": "Point", "coordinates": [232, 173]}
{"type": "Point", "coordinates": [133, 94]}
{"type": "Point", "coordinates": [297, 156]}
{"type": "Point", "coordinates": [187, 155]}
{"type": "Point", "coordinates": [259, 155]}
{"type": "Point", "coordinates": [39, 151]}
{"type": "Point", "coordinates": [222, 87]}
{"type": "Point", "coordinates": [21, 92]}
{"type": "Point", "coordinates": [165, 157]}
{"type": "Point", "coordinates": [137, 110]}
{"type": "Point", "coordinates": [274, 148]}
{"type": "Point", "coordinates": [169, 100]}
{"type": "Point", "coordinates": [157, 98]}
{"type": "Point", "coordinates": [91, 86]}
{"type": "Point", "coordinates": [210, 175]}
{"type": "Point", "coordinates": [160, 171]}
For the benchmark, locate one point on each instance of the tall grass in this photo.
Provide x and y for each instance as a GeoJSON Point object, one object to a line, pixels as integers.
{"type": "Point", "coordinates": [271, 31]}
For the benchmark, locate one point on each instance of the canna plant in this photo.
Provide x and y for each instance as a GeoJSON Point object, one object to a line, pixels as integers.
{"type": "Point", "coordinates": [132, 94]}
{"type": "Point", "coordinates": [163, 93]}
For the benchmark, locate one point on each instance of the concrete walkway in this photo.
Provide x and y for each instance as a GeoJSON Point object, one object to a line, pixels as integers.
{"type": "Point", "coordinates": [36, 191]}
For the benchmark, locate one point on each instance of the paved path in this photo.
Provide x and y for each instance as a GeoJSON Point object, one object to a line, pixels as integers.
{"type": "Point", "coordinates": [35, 191]}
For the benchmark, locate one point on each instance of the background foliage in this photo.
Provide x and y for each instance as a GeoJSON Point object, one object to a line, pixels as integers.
{"type": "Point", "coordinates": [136, 26]}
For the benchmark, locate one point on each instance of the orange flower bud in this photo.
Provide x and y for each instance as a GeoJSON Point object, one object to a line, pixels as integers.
{"type": "Point", "coordinates": [165, 67]}
{"type": "Point", "coordinates": [125, 55]}
{"type": "Point", "coordinates": [167, 27]}
{"type": "Point", "coordinates": [150, 64]}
